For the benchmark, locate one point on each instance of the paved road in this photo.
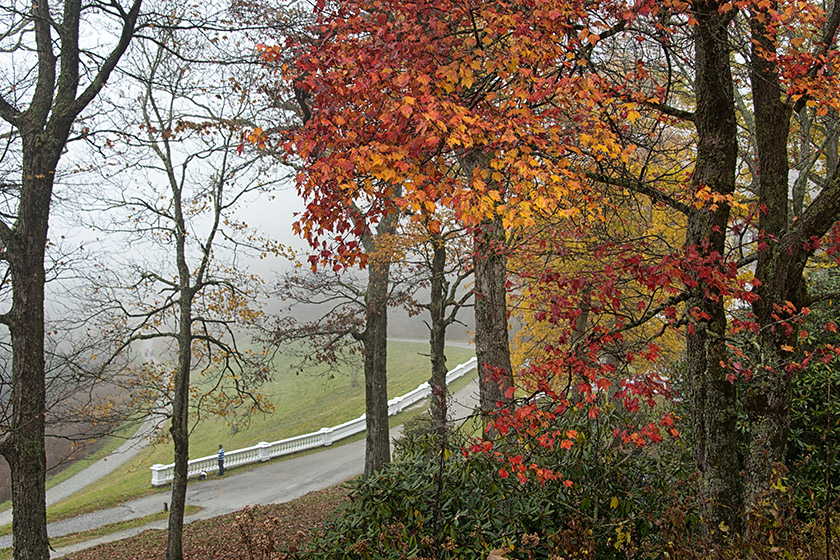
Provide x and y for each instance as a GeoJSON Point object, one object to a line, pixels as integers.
{"type": "Point", "coordinates": [275, 482]}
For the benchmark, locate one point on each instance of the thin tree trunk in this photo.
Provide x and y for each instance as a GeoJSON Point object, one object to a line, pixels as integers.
{"type": "Point", "coordinates": [713, 398]}
{"type": "Point", "coordinates": [800, 186]}
{"type": "Point", "coordinates": [180, 439]}
{"type": "Point", "coordinates": [181, 396]}
{"type": "Point", "coordinates": [437, 335]}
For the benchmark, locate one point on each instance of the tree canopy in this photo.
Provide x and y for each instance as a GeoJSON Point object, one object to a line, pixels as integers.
{"type": "Point", "coordinates": [644, 164]}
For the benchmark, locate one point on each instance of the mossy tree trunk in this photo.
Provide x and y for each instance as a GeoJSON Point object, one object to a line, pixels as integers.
{"type": "Point", "coordinates": [784, 248]}
{"type": "Point", "coordinates": [713, 397]}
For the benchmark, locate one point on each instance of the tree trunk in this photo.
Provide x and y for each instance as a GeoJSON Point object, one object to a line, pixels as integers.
{"type": "Point", "coordinates": [492, 347]}
{"type": "Point", "coordinates": [437, 335]}
{"type": "Point", "coordinates": [713, 398]}
{"type": "Point", "coordinates": [181, 396]}
{"type": "Point", "coordinates": [180, 438]}
{"type": "Point", "coordinates": [375, 338]}
{"type": "Point", "coordinates": [25, 451]}
{"type": "Point", "coordinates": [44, 128]}
{"type": "Point", "coordinates": [768, 392]}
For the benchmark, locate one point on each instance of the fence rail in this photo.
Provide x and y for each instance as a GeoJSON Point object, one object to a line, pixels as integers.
{"type": "Point", "coordinates": [263, 451]}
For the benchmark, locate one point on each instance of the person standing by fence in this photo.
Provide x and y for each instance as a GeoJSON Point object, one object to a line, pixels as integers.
{"type": "Point", "coordinates": [221, 460]}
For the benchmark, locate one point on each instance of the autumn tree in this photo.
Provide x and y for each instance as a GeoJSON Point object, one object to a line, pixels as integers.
{"type": "Point", "coordinates": [426, 140]}
{"type": "Point", "coordinates": [52, 77]}
{"type": "Point", "coordinates": [728, 230]}
{"type": "Point", "coordinates": [780, 90]}
{"type": "Point", "coordinates": [491, 114]}
{"type": "Point", "coordinates": [557, 113]}
{"type": "Point", "coordinates": [183, 281]}
{"type": "Point", "coordinates": [360, 228]}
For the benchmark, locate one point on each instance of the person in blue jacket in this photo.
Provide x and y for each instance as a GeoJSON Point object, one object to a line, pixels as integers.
{"type": "Point", "coordinates": [221, 460]}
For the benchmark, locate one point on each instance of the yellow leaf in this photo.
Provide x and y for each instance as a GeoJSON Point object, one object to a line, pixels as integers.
{"type": "Point", "coordinates": [614, 503]}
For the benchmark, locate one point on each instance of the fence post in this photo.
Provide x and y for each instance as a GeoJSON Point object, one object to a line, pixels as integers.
{"type": "Point", "coordinates": [326, 436]}
{"type": "Point", "coordinates": [264, 450]}
{"type": "Point", "coordinates": [427, 389]}
{"type": "Point", "coordinates": [159, 475]}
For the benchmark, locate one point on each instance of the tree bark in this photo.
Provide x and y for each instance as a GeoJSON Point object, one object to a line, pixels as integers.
{"type": "Point", "coordinates": [492, 348]}
{"type": "Point", "coordinates": [25, 451]}
{"type": "Point", "coordinates": [713, 398]}
{"type": "Point", "coordinates": [375, 340]}
{"type": "Point", "coordinates": [492, 345]}
{"type": "Point", "coordinates": [437, 334]}
{"type": "Point", "coordinates": [784, 248]}
{"type": "Point", "coordinates": [767, 396]}
{"type": "Point", "coordinates": [180, 427]}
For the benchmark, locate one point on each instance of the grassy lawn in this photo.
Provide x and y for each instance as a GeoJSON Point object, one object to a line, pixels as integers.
{"type": "Point", "coordinates": [303, 403]}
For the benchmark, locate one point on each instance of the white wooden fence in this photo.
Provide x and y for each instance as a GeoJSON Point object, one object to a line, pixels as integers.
{"type": "Point", "coordinates": [263, 451]}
